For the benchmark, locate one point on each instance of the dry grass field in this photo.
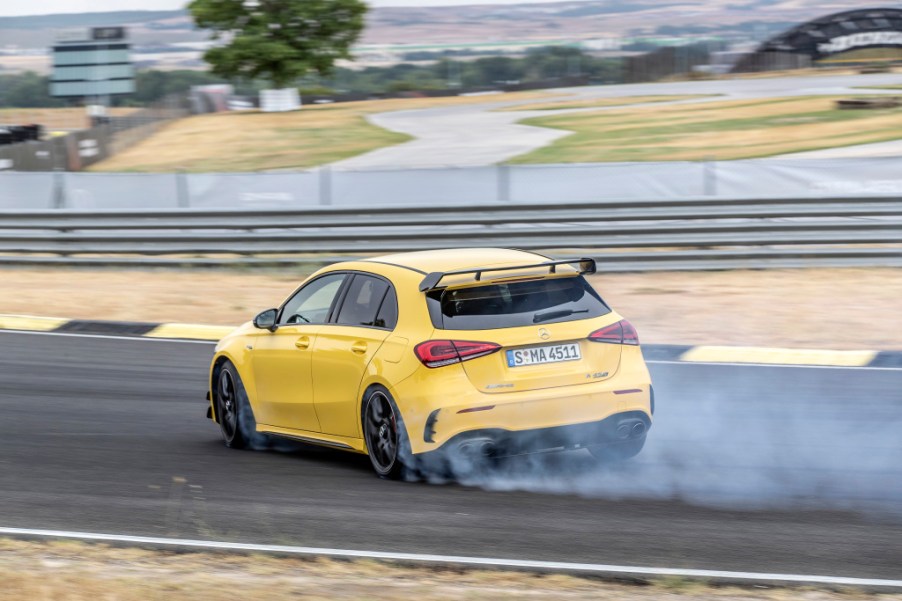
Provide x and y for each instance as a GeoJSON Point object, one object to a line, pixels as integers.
{"type": "Point", "coordinates": [255, 141]}
{"type": "Point", "coordinates": [732, 129]}
{"type": "Point", "coordinates": [802, 308]}
{"type": "Point", "coordinates": [71, 571]}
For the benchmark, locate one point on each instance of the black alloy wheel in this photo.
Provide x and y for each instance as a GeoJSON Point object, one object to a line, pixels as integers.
{"type": "Point", "coordinates": [386, 441]}
{"type": "Point", "coordinates": [233, 410]}
{"type": "Point", "coordinates": [227, 405]}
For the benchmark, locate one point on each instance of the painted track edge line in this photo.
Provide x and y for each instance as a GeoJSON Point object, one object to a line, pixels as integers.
{"type": "Point", "coordinates": [544, 566]}
{"type": "Point", "coordinates": [785, 365]}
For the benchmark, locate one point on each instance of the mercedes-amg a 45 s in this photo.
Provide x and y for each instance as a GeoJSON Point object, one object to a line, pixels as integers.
{"type": "Point", "coordinates": [416, 358]}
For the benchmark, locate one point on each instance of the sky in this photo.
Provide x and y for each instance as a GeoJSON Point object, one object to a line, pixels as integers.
{"type": "Point", "coordinates": [10, 8]}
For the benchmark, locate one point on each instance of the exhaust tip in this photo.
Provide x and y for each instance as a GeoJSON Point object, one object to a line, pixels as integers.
{"type": "Point", "coordinates": [623, 431]}
{"type": "Point", "coordinates": [487, 449]}
{"type": "Point", "coordinates": [638, 429]}
{"type": "Point", "coordinates": [475, 448]}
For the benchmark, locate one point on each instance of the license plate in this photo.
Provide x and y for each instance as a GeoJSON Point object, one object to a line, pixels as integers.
{"type": "Point", "coordinates": [536, 355]}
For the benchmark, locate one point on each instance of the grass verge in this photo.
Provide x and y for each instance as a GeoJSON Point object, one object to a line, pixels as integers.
{"type": "Point", "coordinates": [74, 571]}
{"type": "Point", "coordinates": [784, 308]}
{"type": "Point", "coordinates": [733, 129]}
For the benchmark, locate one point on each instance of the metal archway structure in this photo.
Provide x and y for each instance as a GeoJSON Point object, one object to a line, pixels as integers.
{"type": "Point", "coordinates": [825, 37]}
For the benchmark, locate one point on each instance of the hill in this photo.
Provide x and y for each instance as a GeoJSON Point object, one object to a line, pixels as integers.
{"type": "Point", "coordinates": [168, 39]}
{"type": "Point", "coordinates": [478, 23]}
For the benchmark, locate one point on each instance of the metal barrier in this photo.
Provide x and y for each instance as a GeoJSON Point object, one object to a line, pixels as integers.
{"type": "Point", "coordinates": [700, 233]}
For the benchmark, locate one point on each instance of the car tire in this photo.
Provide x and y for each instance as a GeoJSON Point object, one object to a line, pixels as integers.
{"type": "Point", "coordinates": [618, 451]}
{"type": "Point", "coordinates": [385, 435]}
{"type": "Point", "coordinates": [233, 411]}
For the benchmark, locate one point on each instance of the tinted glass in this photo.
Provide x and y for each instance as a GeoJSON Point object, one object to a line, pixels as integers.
{"type": "Point", "coordinates": [388, 313]}
{"type": "Point", "coordinates": [362, 302]}
{"type": "Point", "coordinates": [515, 304]}
{"type": "Point", "coordinates": [311, 304]}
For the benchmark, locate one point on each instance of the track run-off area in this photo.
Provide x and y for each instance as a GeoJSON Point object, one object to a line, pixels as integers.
{"type": "Point", "coordinates": [749, 469]}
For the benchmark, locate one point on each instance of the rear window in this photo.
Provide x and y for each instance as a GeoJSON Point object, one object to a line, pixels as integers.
{"type": "Point", "coordinates": [515, 304]}
{"type": "Point", "coordinates": [363, 301]}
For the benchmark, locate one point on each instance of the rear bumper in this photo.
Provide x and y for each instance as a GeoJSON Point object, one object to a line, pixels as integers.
{"type": "Point", "coordinates": [440, 406]}
{"type": "Point", "coordinates": [497, 442]}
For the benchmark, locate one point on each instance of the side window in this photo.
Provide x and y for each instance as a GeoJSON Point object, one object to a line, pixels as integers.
{"type": "Point", "coordinates": [311, 303]}
{"type": "Point", "coordinates": [361, 303]}
{"type": "Point", "coordinates": [388, 312]}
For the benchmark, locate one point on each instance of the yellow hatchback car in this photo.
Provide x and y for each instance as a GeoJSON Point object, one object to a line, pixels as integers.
{"type": "Point", "coordinates": [421, 359]}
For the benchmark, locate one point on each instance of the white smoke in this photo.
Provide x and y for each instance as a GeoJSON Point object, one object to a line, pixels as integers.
{"type": "Point", "coordinates": [718, 444]}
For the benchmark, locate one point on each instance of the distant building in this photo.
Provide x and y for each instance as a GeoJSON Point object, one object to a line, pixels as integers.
{"type": "Point", "coordinates": [94, 68]}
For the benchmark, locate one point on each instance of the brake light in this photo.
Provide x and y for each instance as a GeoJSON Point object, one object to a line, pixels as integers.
{"type": "Point", "coordinates": [621, 332]}
{"type": "Point", "coordinates": [438, 353]}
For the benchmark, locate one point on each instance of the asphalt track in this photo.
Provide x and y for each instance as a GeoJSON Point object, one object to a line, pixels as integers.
{"type": "Point", "coordinates": [770, 469]}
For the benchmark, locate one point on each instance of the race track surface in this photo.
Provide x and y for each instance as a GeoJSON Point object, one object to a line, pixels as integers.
{"type": "Point", "coordinates": [475, 135]}
{"type": "Point", "coordinates": [769, 469]}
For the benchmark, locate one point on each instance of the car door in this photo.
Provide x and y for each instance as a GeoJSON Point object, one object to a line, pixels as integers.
{"type": "Point", "coordinates": [344, 349]}
{"type": "Point", "coordinates": [282, 359]}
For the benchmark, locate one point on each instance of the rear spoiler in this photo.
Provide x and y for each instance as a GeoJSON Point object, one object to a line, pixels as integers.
{"type": "Point", "coordinates": [431, 281]}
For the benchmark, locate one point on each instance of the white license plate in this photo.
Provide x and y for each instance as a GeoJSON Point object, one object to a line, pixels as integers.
{"type": "Point", "coordinates": [553, 353]}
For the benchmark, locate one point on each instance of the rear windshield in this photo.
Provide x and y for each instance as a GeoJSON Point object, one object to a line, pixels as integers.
{"type": "Point", "coordinates": [515, 304]}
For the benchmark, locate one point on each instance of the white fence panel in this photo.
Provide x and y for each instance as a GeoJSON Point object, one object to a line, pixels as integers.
{"type": "Point", "coordinates": [21, 190]}
{"type": "Point", "coordinates": [121, 190]}
{"type": "Point", "coordinates": [250, 190]}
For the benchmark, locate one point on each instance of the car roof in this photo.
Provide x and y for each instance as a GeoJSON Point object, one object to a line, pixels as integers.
{"type": "Point", "coordinates": [453, 259]}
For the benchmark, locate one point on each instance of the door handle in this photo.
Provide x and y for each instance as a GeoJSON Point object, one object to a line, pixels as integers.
{"type": "Point", "coordinates": [359, 347]}
{"type": "Point", "coordinates": [302, 342]}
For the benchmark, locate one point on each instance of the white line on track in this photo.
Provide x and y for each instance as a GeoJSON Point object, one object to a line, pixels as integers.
{"type": "Point", "coordinates": [523, 564]}
{"type": "Point", "coordinates": [737, 364]}
{"type": "Point", "coordinates": [649, 361]}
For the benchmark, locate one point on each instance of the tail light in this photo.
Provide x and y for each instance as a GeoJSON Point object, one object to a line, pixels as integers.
{"type": "Point", "coordinates": [437, 353]}
{"type": "Point", "coordinates": [621, 332]}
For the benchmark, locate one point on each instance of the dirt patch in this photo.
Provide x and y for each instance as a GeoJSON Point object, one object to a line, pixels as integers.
{"type": "Point", "coordinates": [805, 308]}
{"type": "Point", "coordinates": [82, 572]}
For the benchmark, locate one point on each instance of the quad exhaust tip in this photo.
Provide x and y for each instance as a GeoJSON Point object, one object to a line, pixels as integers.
{"type": "Point", "coordinates": [631, 429]}
{"type": "Point", "coordinates": [477, 447]}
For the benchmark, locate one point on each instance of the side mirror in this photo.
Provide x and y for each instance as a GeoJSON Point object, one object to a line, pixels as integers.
{"type": "Point", "coordinates": [266, 320]}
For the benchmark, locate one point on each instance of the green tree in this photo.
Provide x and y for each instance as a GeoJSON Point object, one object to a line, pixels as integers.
{"type": "Point", "coordinates": [279, 40]}
{"type": "Point", "coordinates": [27, 90]}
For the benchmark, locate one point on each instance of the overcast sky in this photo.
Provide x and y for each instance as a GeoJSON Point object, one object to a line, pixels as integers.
{"type": "Point", "coordinates": [40, 7]}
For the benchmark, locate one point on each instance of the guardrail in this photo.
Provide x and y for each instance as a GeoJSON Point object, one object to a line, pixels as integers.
{"type": "Point", "coordinates": [701, 233]}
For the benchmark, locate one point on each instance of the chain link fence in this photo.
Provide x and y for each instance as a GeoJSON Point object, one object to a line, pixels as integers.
{"type": "Point", "coordinates": [79, 149]}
